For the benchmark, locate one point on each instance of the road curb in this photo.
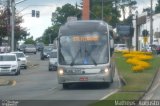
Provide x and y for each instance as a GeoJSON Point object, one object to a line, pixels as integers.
{"type": "Point", "coordinates": [150, 85]}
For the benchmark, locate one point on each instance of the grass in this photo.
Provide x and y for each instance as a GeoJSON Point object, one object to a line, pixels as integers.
{"type": "Point", "coordinates": [137, 83]}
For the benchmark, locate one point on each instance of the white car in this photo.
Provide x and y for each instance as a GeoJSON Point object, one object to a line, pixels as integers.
{"type": "Point", "coordinates": [9, 64]}
{"type": "Point", "coordinates": [23, 60]}
{"type": "Point", "coordinates": [30, 48]}
{"type": "Point", "coordinates": [120, 47]}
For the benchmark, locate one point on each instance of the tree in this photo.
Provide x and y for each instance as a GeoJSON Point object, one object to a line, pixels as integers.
{"type": "Point", "coordinates": [30, 41]}
{"type": "Point", "coordinates": [123, 4]}
{"type": "Point", "coordinates": [59, 19]}
{"type": "Point", "coordinates": [50, 34]}
{"type": "Point", "coordinates": [65, 11]}
{"type": "Point", "coordinates": [157, 8]}
{"type": "Point", "coordinates": [110, 13]}
{"type": "Point", "coordinates": [5, 28]}
{"type": "Point", "coordinates": [3, 24]}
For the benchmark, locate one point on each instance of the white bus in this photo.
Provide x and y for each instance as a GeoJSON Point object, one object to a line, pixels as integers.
{"type": "Point", "coordinates": [84, 53]}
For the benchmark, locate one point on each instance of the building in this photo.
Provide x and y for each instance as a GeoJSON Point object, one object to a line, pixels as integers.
{"type": "Point", "coordinates": [142, 22]}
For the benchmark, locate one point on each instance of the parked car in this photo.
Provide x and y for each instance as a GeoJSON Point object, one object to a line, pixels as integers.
{"type": "Point", "coordinates": [9, 64]}
{"type": "Point", "coordinates": [30, 48]}
{"type": "Point", "coordinates": [52, 66]}
{"type": "Point", "coordinates": [120, 47]}
{"type": "Point", "coordinates": [45, 52]}
{"type": "Point", "coordinates": [158, 49]}
{"type": "Point", "coordinates": [149, 48]}
{"type": "Point", "coordinates": [23, 60]}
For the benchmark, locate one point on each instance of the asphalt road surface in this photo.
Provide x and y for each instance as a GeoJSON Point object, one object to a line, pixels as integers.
{"type": "Point", "coordinates": [37, 83]}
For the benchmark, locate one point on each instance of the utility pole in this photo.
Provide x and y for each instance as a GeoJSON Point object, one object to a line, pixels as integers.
{"type": "Point", "coordinates": [12, 24]}
{"type": "Point", "coordinates": [130, 8]}
{"type": "Point", "coordinates": [102, 9]}
{"type": "Point", "coordinates": [8, 21]}
{"type": "Point", "coordinates": [151, 23]}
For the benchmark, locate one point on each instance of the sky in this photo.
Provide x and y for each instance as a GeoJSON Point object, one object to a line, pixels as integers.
{"type": "Point", "coordinates": [37, 26]}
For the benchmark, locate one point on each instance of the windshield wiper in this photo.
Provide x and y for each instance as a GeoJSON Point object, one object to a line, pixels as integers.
{"type": "Point", "coordinates": [89, 55]}
{"type": "Point", "coordinates": [72, 63]}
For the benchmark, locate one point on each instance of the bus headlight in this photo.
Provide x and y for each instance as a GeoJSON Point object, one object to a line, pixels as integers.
{"type": "Point", "coordinates": [60, 71]}
{"type": "Point", "coordinates": [106, 70]}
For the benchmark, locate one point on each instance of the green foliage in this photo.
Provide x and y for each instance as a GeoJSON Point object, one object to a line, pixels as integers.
{"type": "Point", "coordinates": [20, 33]}
{"type": "Point", "coordinates": [122, 5]}
{"type": "Point", "coordinates": [65, 11]}
{"type": "Point", "coordinates": [157, 8]}
{"type": "Point", "coordinates": [29, 41]}
{"type": "Point", "coordinates": [60, 18]}
{"type": "Point", "coordinates": [50, 34]}
{"type": "Point", "coordinates": [110, 13]}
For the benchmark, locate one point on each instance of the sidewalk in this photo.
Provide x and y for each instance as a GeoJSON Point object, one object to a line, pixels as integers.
{"type": "Point", "coordinates": [4, 82]}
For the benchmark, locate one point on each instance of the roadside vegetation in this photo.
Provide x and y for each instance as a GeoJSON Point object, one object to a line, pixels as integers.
{"type": "Point", "coordinates": [136, 80]}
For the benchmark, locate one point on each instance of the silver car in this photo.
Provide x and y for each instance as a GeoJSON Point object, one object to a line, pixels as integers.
{"type": "Point", "coordinates": [30, 48]}
{"type": "Point", "coordinates": [53, 60]}
{"type": "Point", "coordinates": [22, 59]}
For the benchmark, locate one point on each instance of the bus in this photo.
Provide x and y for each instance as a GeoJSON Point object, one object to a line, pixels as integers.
{"type": "Point", "coordinates": [84, 53]}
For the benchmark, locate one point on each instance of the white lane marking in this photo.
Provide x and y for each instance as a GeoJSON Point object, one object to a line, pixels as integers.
{"type": "Point", "coordinates": [109, 94]}
{"type": "Point", "coordinates": [52, 89]}
{"type": "Point", "coordinates": [119, 85]}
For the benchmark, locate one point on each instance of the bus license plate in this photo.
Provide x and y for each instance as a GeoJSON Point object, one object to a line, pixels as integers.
{"type": "Point", "coordinates": [83, 78]}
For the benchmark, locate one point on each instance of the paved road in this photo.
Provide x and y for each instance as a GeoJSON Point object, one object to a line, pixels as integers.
{"type": "Point", "coordinates": [37, 83]}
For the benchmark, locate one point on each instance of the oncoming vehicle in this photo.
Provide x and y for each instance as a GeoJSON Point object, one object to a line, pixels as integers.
{"type": "Point", "coordinates": [84, 53]}
{"type": "Point", "coordinates": [9, 64]}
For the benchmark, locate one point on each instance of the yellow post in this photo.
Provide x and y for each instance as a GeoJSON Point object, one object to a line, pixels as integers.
{"type": "Point", "coordinates": [145, 39]}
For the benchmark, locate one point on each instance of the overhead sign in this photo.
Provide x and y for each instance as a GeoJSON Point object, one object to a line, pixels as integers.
{"type": "Point", "coordinates": [141, 20]}
{"type": "Point", "coordinates": [125, 30]}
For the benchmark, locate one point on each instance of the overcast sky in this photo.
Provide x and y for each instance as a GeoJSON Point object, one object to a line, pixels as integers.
{"type": "Point", "coordinates": [36, 26]}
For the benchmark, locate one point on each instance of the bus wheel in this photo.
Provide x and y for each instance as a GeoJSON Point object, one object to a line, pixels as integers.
{"type": "Point", "coordinates": [65, 86]}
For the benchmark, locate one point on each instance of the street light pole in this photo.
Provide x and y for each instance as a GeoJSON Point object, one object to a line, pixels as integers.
{"type": "Point", "coordinates": [13, 4]}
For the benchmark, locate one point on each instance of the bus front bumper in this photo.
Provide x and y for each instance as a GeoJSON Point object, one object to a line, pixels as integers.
{"type": "Point", "coordinates": [84, 78]}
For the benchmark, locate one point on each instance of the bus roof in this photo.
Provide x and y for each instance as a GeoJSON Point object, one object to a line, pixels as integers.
{"type": "Point", "coordinates": [83, 26]}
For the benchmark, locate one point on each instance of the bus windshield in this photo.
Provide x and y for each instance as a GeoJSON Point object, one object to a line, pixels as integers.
{"type": "Point", "coordinates": [84, 49]}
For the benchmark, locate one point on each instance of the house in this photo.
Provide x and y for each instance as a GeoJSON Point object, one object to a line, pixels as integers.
{"type": "Point", "coordinates": [143, 23]}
